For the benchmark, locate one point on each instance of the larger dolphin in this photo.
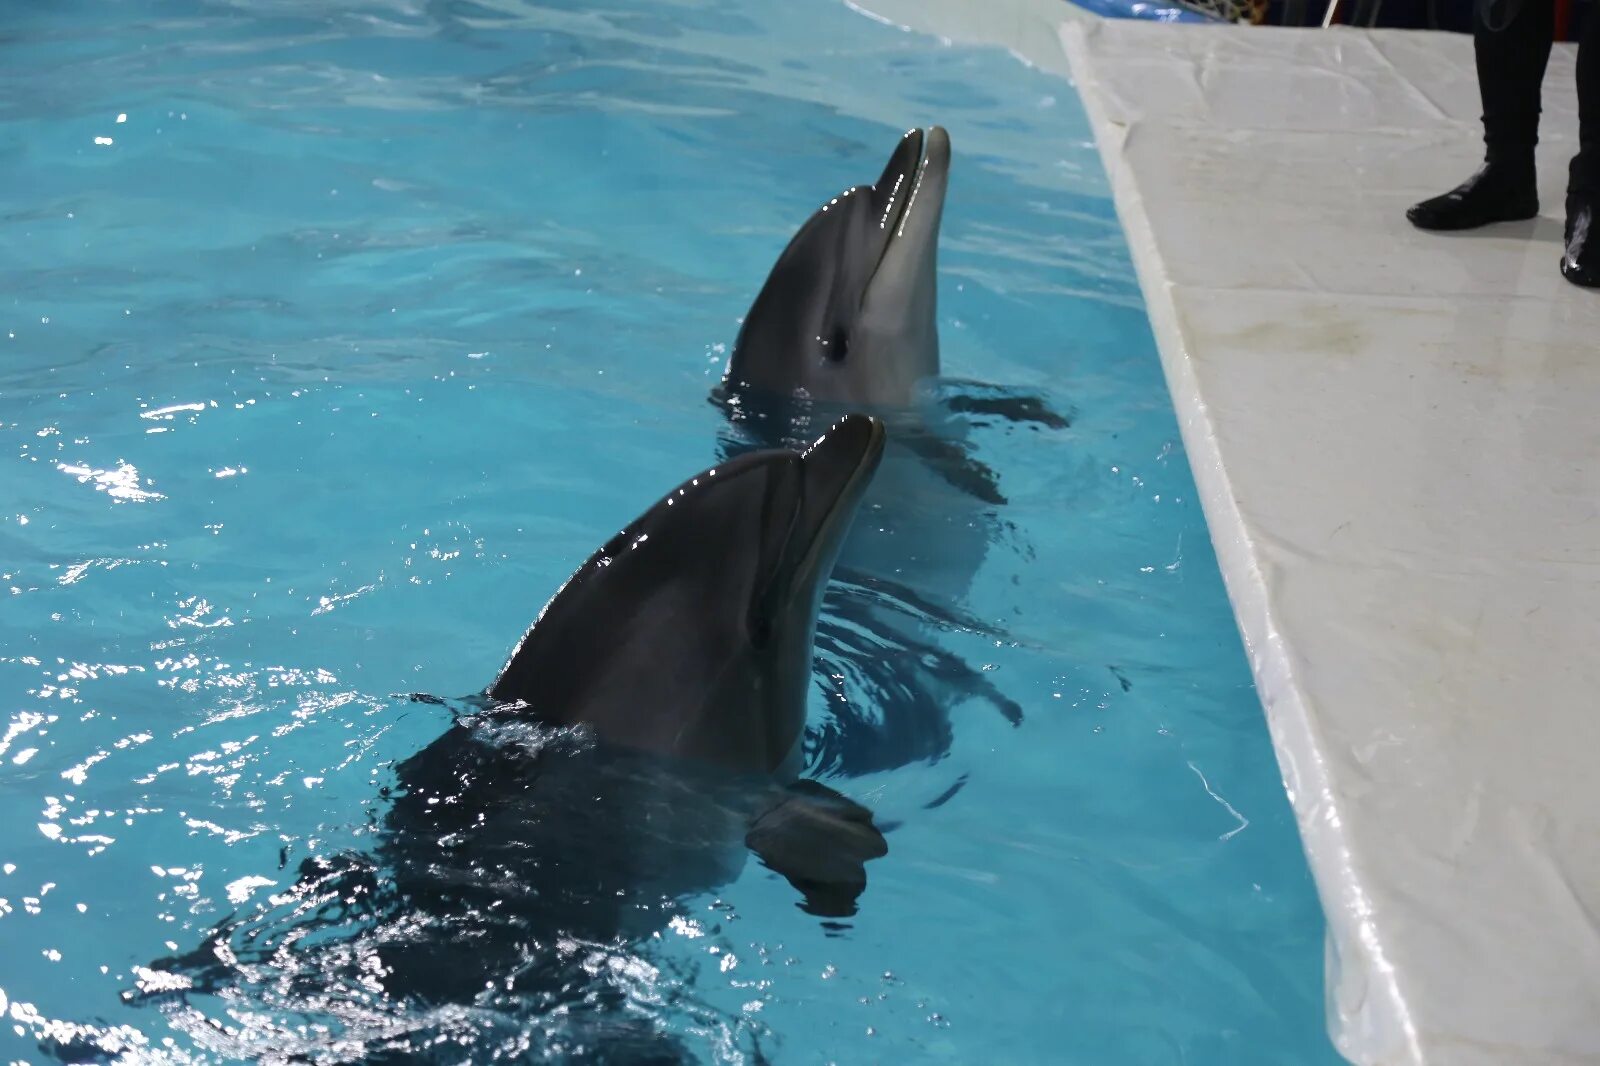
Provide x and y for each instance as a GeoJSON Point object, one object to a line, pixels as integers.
{"type": "Point", "coordinates": [847, 320]}
{"type": "Point", "coordinates": [642, 737]}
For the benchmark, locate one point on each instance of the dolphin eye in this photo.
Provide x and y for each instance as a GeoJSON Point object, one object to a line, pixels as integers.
{"type": "Point", "coordinates": [837, 347]}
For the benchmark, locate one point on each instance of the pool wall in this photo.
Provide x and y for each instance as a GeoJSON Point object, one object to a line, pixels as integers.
{"type": "Point", "coordinates": [1392, 435]}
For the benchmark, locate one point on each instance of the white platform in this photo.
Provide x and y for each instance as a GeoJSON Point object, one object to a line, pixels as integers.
{"type": "Point", "coordinates": [1397, 438]}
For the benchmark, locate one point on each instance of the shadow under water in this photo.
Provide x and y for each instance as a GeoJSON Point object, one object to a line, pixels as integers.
{"type": "Point", "coordinates": [930, 518]}
{"type": "Point", "coordinates": [506, 911]}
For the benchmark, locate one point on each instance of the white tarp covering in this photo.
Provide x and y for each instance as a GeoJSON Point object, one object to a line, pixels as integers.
{"type": "Point", "coordinates": [1397, 438]}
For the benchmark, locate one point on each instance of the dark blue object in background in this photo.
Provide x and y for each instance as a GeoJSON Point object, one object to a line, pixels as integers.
{"type": "Point", "coordinates": [1451, 15]}
{"type": "Point", "coordinates": [1152, 10]}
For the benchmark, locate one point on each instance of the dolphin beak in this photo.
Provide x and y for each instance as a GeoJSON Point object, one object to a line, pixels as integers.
{"type": "Point", "coordinates": [908, 197]}
{"type": "Point", "coordinates": [892, 191]}
{"type": "Point", "coordinates": [837, 469]}
{"type": "Point", "coordinates": [933, 175]}
{"type": "Point", "coordinates": [918, 174]}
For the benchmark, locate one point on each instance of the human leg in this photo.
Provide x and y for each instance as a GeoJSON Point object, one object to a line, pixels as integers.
{"type": "Point", "coordinates": [1511, 41]}
{"type": "Point", "coordinates": [1580, 262]}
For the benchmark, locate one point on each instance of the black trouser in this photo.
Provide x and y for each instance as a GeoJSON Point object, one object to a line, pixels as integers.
{"type": "Point", "coordinates": [1511, 61]}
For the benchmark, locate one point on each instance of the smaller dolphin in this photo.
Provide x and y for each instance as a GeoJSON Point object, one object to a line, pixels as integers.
{"type": "Point", "coordinates": [847, 314]}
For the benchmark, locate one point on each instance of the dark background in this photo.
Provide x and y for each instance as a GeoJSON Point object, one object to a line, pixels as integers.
{"type": "Point", "coordinates": [1454, 15]}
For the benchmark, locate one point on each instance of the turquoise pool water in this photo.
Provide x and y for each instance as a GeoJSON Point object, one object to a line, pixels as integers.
{"type": "Point", "coordinates": [335, 335]}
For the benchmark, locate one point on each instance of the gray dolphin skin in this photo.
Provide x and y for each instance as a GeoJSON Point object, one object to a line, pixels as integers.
{"type": "Point", "coordinates": [666, 683]}
{"type": "Point", "coordinates": [847, 320]}
{"type": "Point", "coordinates": [848, 312]}
{"type": "Point", "coordinates": [689, 634]}
{"type": "Point", "coordinates": [642, 739]}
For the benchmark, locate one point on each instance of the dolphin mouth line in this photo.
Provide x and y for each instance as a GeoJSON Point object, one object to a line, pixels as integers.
{"type": "Point", "coordinates": [916, 187]}
{"type": "Point", "coordinates": [901, 208]}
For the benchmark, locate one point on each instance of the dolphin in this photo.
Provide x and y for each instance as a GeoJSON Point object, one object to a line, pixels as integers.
{"type": "Point", "coordinates": [847, 320]}
{"type": "Point", "coordinates": [847, 314]}
{"type": "Point", "coordinates": [642, 738]}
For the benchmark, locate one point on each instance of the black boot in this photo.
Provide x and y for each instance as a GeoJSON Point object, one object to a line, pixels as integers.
{"type": "Point", "coordinates": [1581, 262]}
{"type": "Point", "coordinates": [1498, 192]}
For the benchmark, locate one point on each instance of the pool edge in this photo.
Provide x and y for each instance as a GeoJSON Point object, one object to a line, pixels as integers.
{"type": "Point", "coordinates": [1365, 1009]}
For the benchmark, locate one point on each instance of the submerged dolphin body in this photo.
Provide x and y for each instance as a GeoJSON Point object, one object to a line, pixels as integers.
{"type": "Point", "coordinates": [643, 736]}
{"type": "Point", "coordinates": [847, 321]}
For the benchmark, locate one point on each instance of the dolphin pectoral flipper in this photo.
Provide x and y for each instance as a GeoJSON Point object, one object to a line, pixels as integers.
{"type": "Point", "coordinates": [981, 399]}
{"type": "Point", "coordinates": [820, 841]}
{"type": "Point", "coordinates": [952, 462]}
{"type": "Point", "coordinates": [979, 405]}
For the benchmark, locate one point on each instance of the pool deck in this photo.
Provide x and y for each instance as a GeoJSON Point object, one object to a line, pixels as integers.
{"type": "Point", "coordinates": [1396, 436]}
